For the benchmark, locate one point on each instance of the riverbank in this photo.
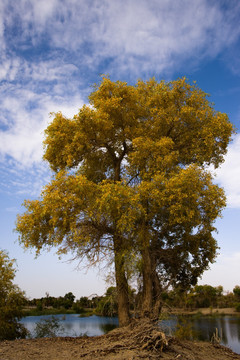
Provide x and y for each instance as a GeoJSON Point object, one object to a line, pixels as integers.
{"type": "Point", "coordinates": [139, 340]}
{"type": "Point", "coordinates": [202, 311]}
{"type": "Point", "coordinates": [174, 311]}
{"type": "Point", "coordinates": [54, 311]}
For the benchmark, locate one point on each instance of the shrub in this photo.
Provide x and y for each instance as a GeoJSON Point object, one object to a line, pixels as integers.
{"type": "Point", "coordinates": [237, 307]}
{"type": "Point", "coordinates": [48, 328]}
{"type": "Point", "coordinates": [11, 301]}
{"type": "Point", "coordinates": [107, 306]}
{"type": "Point", "coordinates": [184, 330]}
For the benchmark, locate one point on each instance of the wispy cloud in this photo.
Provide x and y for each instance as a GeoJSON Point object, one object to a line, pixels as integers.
{"type": "Point", "coordinates": [52, 50]}
{"type": "Point", "coordinates": [164, 35]}
{"type": "Point", "coordinates": [12, 209]}
{"type": "Point", "coordinates": [25, 115]}
{"type": "Point", "coordinates": [228, 175]}
{"type": "Point", "coordinates": [144, 35]}
{"type": "Point", "coordinates": [20, 181]}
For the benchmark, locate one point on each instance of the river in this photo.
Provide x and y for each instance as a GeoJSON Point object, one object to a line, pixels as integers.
{"type": "Point", "coordinates": [203, 327]}
{"type": "Point", "coordinates": [74, 325]}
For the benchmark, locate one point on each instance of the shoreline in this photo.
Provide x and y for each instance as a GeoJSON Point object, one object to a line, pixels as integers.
{"type": "Point", "coordinates": [141, 339]}
{"type": "Point", "coordinates": [165, 310]}
{"type": "Point", "coordinates": [202, 311]}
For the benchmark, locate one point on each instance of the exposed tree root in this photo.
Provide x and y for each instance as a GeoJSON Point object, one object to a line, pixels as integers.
{"type": "Point", "coordinates": [140, 336]}
{"type": "Point", "coordinates": [142, 340]}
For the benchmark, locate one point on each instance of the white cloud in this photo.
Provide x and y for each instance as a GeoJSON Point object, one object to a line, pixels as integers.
{"type": "Point", "coordinates": [26, 99]}
{"type": "Point", "coordinates": [127, 37]}
{"type": "Point", "coordinates": [19, 181]}
{"type": "Point", "coordinates": [9, 68]}
{"type": "Point", "coordinates": [2, 41]}
{"type": "Point", "coordinates": [17, 69]}
{"type": "Point", "coordinates": [228, 175]}
{"type": "Point", "coordinates": [136, 35]}
{"type": "Point", "coordinates": [146, 35]}
{"type": "Point", "coordinates": [26, 115]}
{"type": "Point", "coordinates": [50, 70]}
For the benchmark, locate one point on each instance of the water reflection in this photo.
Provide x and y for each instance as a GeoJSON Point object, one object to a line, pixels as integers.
{"type": "Point", "coordinates": [203, 327]}
{"type": "Point", "coordinates": [107, 327]}
{"type": "Point", "coordinates": [74, 325]}
{"type": "Point", "coordinates": [234, 328]}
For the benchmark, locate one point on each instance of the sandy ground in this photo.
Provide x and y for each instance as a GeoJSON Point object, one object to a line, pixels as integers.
{"type": "Point", "coordinates": [137, 341]}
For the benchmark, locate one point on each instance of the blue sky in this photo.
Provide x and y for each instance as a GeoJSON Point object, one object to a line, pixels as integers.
{"type": "Point", "coordinates": [53, 51]}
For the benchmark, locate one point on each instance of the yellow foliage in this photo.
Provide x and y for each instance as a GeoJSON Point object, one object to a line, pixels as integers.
{"type": "Point", "coordinates": [132, 160]}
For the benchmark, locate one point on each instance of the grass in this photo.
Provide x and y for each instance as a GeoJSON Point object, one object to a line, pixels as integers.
{"type": "Point", "coordinates": [47, 311]}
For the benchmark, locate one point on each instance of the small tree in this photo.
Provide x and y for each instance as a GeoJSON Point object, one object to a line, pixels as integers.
{"type": "Point", "coordinates": [236, 291]}
{"type": "Point", "coordinates": [11, 301]}
{"type": "Point", "coordinates": [84, 302]}
{"type": "Point", "coordinates": [108, 305]}
{"type": "Point", "coordinates": [205, 295]}
{"type": "Point", "coordinates": [68, 300]}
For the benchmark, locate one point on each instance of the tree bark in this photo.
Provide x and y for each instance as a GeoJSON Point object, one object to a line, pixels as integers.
{"type": "Point", "coordinates": [147, 302]}
{"type": "Point", "coordinates": [157, 295]}
{"type": "Point", "coordinates": [121, 280]}
{"type": "Point", "coordinates": [151, 304]}
{"type": "Point", "coordinates": [122, 285]}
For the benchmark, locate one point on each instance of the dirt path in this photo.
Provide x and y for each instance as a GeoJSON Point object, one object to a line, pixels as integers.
{"type": "Point", "coordinates": [138, 341]}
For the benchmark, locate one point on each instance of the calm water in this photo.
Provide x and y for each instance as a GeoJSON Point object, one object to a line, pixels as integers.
{"type": "Point", "coordinates": [203, 327]}
{"type": "Point", "coordinates": [74, 325]}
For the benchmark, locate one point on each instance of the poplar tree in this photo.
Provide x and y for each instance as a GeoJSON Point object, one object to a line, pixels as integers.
{"type": "Point", "coordinates": [130, 182]}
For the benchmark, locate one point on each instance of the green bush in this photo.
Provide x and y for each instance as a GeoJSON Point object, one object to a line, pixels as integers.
{"type": "Point", "coordinates": [48, 328]}
{"type": "Point", "coordinates": [184, 330]}
{"type": "Point", "coordinates": [237, 307]}
{"type": "Point", "coordinates": [107, 306]}
{"type": "Point", "coordinates": [11, 301]}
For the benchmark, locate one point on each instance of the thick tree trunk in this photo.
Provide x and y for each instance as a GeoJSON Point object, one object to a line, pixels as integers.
{"type": "Point", "coordinates": [157, 295]}
{"type": "Point", "coordinates": [121, 280]}
{"type": "Point", "coordinates": [147, 302]}
{"type": "Point", "coordinates": [151, 304]}
{"type": "Point", "coordinates": [122, 286]}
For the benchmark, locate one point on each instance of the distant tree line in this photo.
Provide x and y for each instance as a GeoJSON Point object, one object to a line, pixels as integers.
{"type": "Point", "coordinates": [200, 296]}
{"type": "Point", "coordinates": [13, 301]}
{"type": "Point", "coordinates": [65, 301]}
{"type": "Point", "coordinates": [203, 296]}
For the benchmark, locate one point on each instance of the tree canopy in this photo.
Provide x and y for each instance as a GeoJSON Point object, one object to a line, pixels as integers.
{"type": "Point", "coordinates": [11, 301]}
{"type": "Point", "coordinates": [130, 184]}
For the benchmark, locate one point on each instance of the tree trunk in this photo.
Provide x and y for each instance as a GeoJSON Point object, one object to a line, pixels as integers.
{"type": "Point", "coordinates": [147, 302]}
{"type": "Point", "coordinates": [157, 295]}
{"type": "Point", "coordinates": [121, 280]}
{"type": "Point", "coordinates": [122, 285]}
{"type": "Point", "coordinates": [151, 304]}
